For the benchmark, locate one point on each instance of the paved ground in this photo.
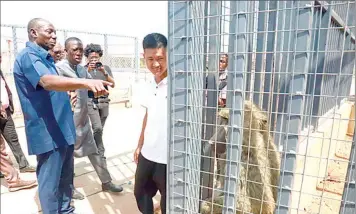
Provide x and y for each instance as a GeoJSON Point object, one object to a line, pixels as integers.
{"type": "Point", "coordinates": [120, 138]}
{"type": "Point", "coordinates": [319, 173]}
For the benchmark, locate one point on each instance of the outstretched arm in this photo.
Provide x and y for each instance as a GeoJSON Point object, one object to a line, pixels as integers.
{"type": "Point", "coordinates": [38, 74]}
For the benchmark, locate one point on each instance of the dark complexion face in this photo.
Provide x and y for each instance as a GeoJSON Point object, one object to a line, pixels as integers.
{"type": "Point", "coordinates": [74, 51]}
{"type": "Point", "coordinates": [44, 35]}
{"type": "Point", "coordinates": [56, 53]}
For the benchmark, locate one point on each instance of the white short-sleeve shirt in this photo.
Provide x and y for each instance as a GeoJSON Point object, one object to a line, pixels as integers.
{"type": "Point", "coordinates": [155, 143]}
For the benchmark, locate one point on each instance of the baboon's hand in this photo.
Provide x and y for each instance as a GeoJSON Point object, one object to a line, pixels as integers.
{"type": "Point", "coordinates": [206, 148]}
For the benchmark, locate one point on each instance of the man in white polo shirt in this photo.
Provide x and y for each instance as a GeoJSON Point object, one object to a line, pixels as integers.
{"type": "Point", "coordinates": [151, 152]}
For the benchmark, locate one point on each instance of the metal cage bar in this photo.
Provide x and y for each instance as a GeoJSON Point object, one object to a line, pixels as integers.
{"type": "Point", "coordinates": [290, 59]}
{"type": "Point", "coordinates": [238, 48]}
{"type": "Point", "coordinates": [214, 45]}
{"type": "Point", "coordinates": [298, 69]}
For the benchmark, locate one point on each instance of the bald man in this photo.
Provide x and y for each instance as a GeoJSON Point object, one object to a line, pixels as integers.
{"type": "Point", "coordinates": [57, 52]}
{"type": "Point", "coordinates": [48, 115]}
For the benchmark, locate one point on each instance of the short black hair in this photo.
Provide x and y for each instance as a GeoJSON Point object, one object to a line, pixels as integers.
{"type": "Point", "coordinates": [93, 48]}
{"type": "Point", "coordinates": [154, 40]}
{"type": "Point", "coordinates": [225, 55]}
{"type": "Point", "coordinates": [70, 39]}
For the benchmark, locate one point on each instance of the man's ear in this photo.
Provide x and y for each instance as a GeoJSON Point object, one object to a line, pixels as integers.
{"type": "Point", "coordinates": [33, 33]}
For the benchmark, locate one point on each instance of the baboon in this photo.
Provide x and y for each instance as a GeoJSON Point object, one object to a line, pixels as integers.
{"type": "Point", "coordinates": [259, 166]}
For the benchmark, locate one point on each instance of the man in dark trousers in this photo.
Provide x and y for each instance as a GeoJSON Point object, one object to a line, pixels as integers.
{"type": "Point", "coordinates": [7, 126]}
{"type": "Point", "coordinates": [85, 144]}
{"type": "Point", "coordinates": [48, 116]}
{"type": "Point", "coordinates": [151, 151]}
{"type": "Point", "coordinates": [98, 107]}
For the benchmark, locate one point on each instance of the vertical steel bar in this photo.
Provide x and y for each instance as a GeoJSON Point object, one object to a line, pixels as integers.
{"type": "Point", "coordinates": [298, 71]}
{"type": "Point", "coordinates": [286, 42]}
{"type": "Point", "coordinates": [205, 162]}
{"type": "Point", "coordinates": [269, 55]}
{"type": "Point", "coordinates": [177, 102]}
{"type": "Point", "coordinates": [170, 121]}
{"type": "Point", "coordinates": [235, 101]}
{"type": "Point", "coordinates": [317, 14]}
{"type": "Point", "coordinates": [318, 89]}
{"type": "Point", "coordinates": [195, 91]}
{"type": "Point", "coordinates": [260, 47]}
{"type": "Point", "coordinates": [280, 72]}
{"type": "Point", "coordinates": [213, 59]}
{"type": "Point", "coordinates": [250, 30]}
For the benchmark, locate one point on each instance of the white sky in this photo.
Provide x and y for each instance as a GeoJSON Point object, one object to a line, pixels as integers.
{"type": "Point", "coordinates": [131, 18]}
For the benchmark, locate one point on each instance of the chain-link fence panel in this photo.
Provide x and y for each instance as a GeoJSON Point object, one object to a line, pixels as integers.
{"type": "Point", "coordinates": [121, 53]}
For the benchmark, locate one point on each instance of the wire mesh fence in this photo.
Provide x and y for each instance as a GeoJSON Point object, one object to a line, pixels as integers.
{"type": "Point", "coordinates": [120, 52]}
{"type": "Point", "coordinates": [282, 140]}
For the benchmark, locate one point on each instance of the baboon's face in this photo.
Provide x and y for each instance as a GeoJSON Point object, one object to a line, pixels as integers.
{"type": "Point", "coordinates": [220, 136]}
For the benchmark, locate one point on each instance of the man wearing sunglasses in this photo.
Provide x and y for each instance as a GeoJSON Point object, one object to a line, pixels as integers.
{"type": "Point", "coordinates": [57, 52]}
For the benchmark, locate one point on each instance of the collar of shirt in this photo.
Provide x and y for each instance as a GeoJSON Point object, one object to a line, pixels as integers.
{"type": "Point", "coordinates": [223, 75]}
{"type": "Point", "coordinates": [162, 83]}
{"type": "Point", "coordinates": [74, 67]}
{"type": "Point", "coordinates": [41, 51]}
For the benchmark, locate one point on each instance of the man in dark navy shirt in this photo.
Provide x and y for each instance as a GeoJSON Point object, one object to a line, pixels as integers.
{"type": "Point", "coordinates": [48, 116]}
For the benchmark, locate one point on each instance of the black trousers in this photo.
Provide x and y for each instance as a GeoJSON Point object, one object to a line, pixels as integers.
{"type": "Point", "coordinates": [8, 131]}
{"type": "Point", "coordinates": [150, 177]}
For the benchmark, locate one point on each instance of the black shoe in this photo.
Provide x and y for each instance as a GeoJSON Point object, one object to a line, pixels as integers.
{"type": "Point", "coordinates": [77, 195]}
{"type": "Point", "coordinates": [110, 187]}
{"type": "Point", "coordinates": [2, 175]}
{"type": "Point", "coordinates": [28, 169]}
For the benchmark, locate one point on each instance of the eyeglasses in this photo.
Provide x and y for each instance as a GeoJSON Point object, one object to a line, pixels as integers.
{"type": "Point", "coordinates": [57, 52]}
